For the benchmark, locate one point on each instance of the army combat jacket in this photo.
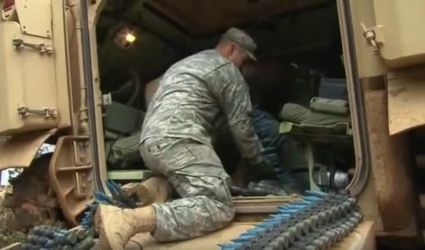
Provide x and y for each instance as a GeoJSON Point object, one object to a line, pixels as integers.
{"type": "Point", "coordinates": [194, 94]}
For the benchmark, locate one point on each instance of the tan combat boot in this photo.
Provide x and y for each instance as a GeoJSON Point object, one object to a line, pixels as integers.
{"type": "Point", "coordinates": [116, 225]}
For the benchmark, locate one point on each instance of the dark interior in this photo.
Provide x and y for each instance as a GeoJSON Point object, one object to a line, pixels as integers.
{"type": "Point", "coordinates": [299, 52]}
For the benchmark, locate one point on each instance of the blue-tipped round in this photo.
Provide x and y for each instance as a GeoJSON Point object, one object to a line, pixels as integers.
{"type": "Point", "coordinates": [312, 198]}
{"type": "Point", "coordinates": [231, 246]}
{"type": "Point", "coordinates": [315, 193]}
{"type": "Point", "coordinates": [243, 239]}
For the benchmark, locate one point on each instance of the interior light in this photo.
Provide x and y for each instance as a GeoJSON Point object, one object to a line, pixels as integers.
{"type": "Point", "coordinates": [126, 37]}
{"type": "Point", "coordinates": [130, 37]}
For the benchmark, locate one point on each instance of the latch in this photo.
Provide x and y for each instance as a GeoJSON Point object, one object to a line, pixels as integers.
{"type": "Point", "coordinates": [47, 113]}
{"type": "Point", "coordinates": [370, 35]}
{"type": "Point", "coordinates": [41, 47]}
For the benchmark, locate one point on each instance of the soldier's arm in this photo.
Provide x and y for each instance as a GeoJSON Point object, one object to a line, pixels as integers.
{"type": "Point", "coordinates": [235, 102]}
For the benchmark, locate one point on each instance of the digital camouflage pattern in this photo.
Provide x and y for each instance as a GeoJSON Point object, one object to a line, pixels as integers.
{"type": "Point", "coordinates": [176, 141]}
{"type": "Point", "coordinates": [192, 97]}
{"type": "Point", "coordinates": [196, 173]}
{"type": "Point", "coordinates": [246, 42]}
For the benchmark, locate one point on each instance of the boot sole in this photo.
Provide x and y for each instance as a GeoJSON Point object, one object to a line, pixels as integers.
{"type": "Point", "coordinates": [99, 227]}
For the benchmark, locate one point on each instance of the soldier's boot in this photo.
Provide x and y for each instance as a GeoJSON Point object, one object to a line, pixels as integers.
{"type": "Point", "coordinates": [117, 225]}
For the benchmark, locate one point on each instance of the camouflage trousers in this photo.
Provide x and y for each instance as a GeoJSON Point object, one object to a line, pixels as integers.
{"type": "Point", "coordinates": [197, 175]}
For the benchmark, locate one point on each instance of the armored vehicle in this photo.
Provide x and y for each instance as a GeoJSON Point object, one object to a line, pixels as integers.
{"type": "Point", "coordinates": [76, 78]}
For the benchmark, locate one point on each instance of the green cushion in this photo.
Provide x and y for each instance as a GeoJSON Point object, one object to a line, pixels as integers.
{"type": "Point", "coordinates": [125, 151]}
{"type": "Point", "coordinates": [307, 125]}
{"type": "Point", "coordinates": [330, 106]}
{"type": "Point", "coordinates": [123, 119]}
{"type": "Point", "coordinates": [298, 114]}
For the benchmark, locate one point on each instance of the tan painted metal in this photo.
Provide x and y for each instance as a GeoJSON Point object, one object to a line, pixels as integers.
{"type": "Point", "coordinates": [45, 84]}
{"type": "Point", "coordinates": [62, 77]}
{"type": "Point", "coordinates": [46, 81]}
{"type": "Point", "coordinates": [35, 17]}
{"type": "Point", "coordinates": [375, 198]}
{"type": "Point", "coordinates": [70, 175]}
{"type": "Point", "coordinates": [401, 41]}
{"type": "Point", "coordinates": [14, 246]}
{"type": "Point", "coordinates": [33, 89]}
{"type": "Point", "coordinates": [77, 87]}
{"type": "Point", "coordinates": [390, 164]}
{"type": "Point", "coordinates": [94, 11]}
{"type": "Point", "coordinates": [369, 62]}
{"type": "Point", "coordinates": [24, 85]}
{"type": "Point", "coordinates": [406, 99]}
{"type": "Point", "coordinates": [210, 241]}
{"type": "Point", "coordinates": [386, 35]}
{"type": "Point", "coordinates": [19, 151]}
{"type": "Point", "coordinates": [350, 88]}
{"type": "Point", "coordinates": [367, 202]}
{"type": "Point", "coordinates": [261, 205]}
{"type": "Point", "coordinates": [385, 39]}
{"type": "Point", "coordinates": [8, 14]}
{"type": "Point", "coordinates": [362, 238]}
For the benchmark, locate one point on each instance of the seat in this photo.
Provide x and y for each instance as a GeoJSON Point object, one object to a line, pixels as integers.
{"type": "Point", "coordinates": [328, 129]}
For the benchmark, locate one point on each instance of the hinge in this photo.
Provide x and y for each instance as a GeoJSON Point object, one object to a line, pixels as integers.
{"type": "Point", "coordinates": [370, 35]}
{"type": "Point", "coordinates": [47, 113]}
{"type": "Point", "coordinates": [41, 47]}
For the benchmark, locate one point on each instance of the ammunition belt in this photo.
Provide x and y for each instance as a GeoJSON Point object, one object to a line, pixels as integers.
{"type": "Point", "coordinates": [46, 237]}
{"type": "Point", "coordinates": [316, 222]}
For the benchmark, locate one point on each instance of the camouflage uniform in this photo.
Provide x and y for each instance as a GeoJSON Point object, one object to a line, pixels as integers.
{"type": "Point", "coordinates": [193, 96]}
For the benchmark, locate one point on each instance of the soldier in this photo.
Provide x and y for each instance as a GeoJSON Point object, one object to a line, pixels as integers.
{"type": "Point", "coordinates": [176, 142]}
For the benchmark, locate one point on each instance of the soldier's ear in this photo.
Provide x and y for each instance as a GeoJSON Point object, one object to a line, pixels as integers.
{"type": "Point", "coordinates": [232, 48]}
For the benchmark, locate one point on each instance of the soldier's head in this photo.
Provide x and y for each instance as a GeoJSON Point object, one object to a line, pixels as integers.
{"type": "Point", "coordinates": [237, 46]}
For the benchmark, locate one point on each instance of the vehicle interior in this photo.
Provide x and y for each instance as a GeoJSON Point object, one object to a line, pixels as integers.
{"type": "Point", "coordinates": [299, 70]}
